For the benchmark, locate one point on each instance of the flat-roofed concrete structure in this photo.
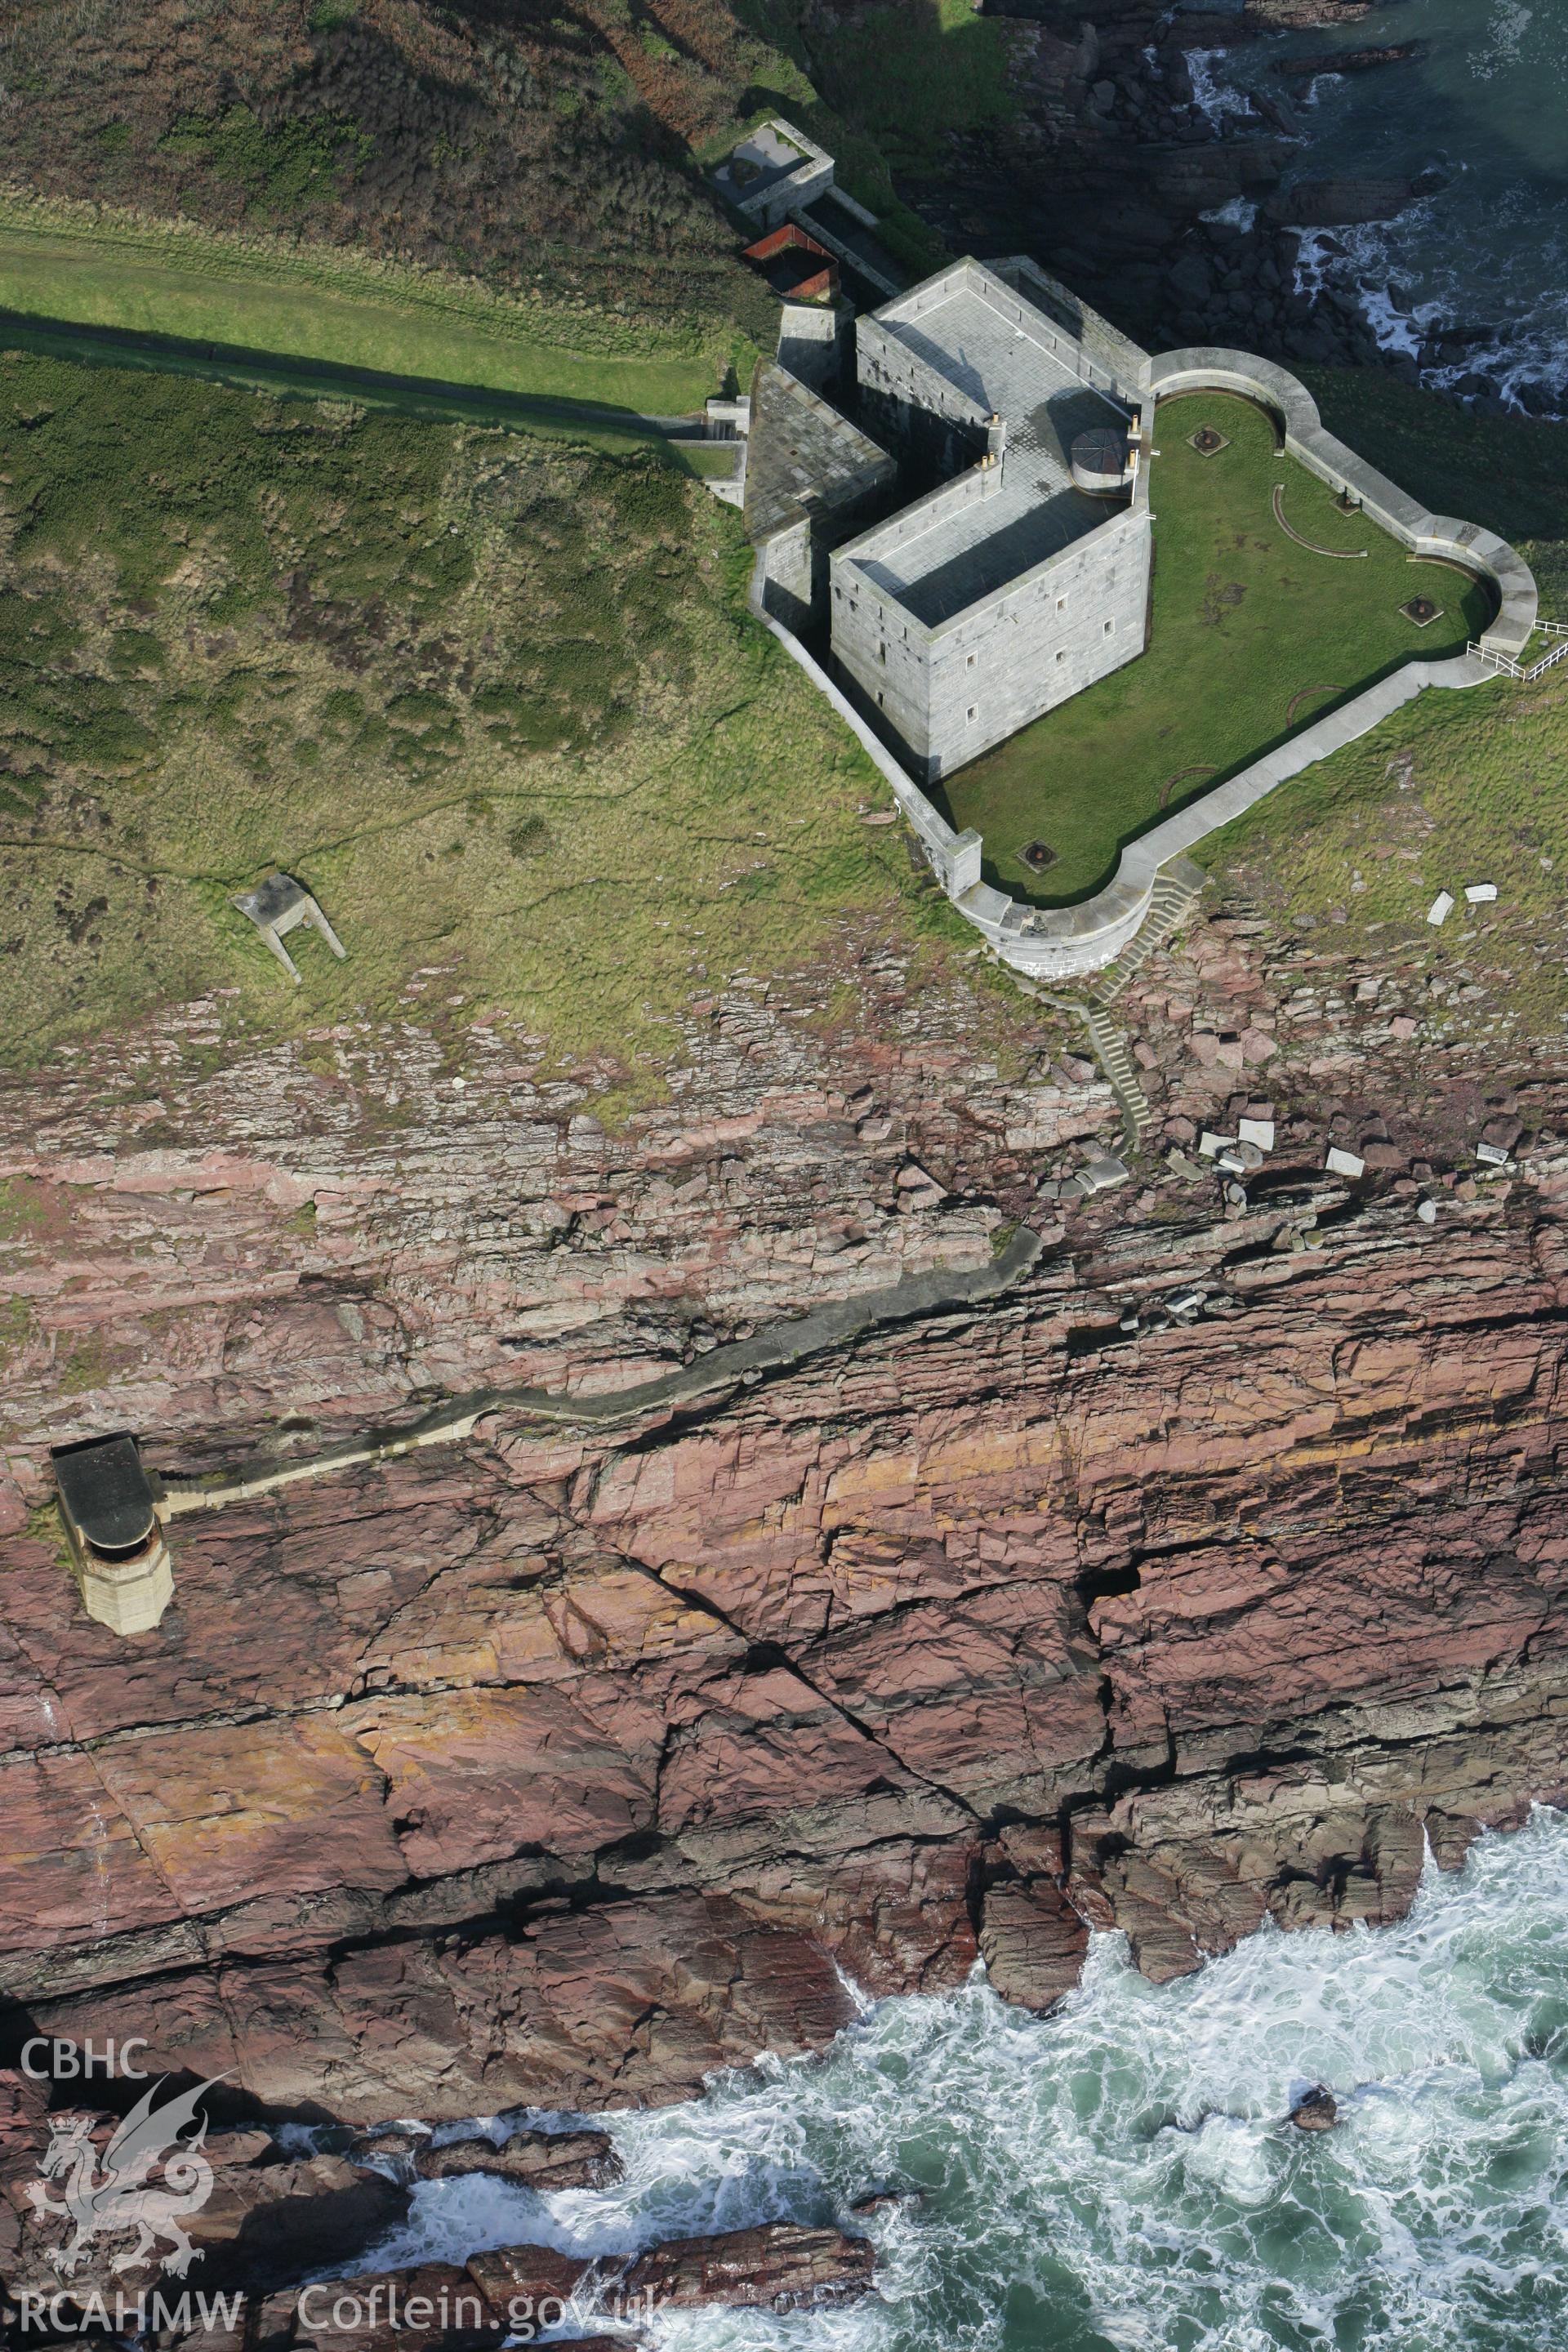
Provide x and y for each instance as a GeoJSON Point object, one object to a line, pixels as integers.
{"type": "Point", "coordinates": [1008, 587]}
{"type": "Point", "coordinates": [109, 1507]}
{"type": "Point", "coordinates": [279, 904]}
{"type": "Point", "coordinates": [772, 170]}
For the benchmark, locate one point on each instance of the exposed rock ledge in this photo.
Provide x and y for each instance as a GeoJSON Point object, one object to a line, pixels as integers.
{"type": "Point", "coordinates": [560, 1768]}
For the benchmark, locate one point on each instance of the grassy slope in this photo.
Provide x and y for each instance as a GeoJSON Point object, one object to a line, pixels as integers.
{"type": "Point", "coordinates": [503, 144]}
{"type": "Point", "coordinates": [1251, 637]}
{"type": "Point", "coordinates": [1458, 787]}
{"type": "Point", "coordinates": [494, 698]}
{"type": "Point", "coordinates": [204, 289]}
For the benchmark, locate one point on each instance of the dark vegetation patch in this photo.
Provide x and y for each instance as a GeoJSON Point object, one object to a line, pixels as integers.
{"type": "Point", "coordinates": [291, 164]}
{"type": "Point", "coordinates": [505, 143]}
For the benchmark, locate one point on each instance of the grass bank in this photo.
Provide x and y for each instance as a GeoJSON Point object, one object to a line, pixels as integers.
{"type": "Point", "coordinates": [1252, 637]}
{"type": "Point", "coordinates": [1455, 788]}
{"type": "Point", "coordinates": [200, 287]}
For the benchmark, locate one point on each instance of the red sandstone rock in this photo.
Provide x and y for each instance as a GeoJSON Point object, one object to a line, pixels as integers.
{"type": "Point", "coordinates": [776, 2267]}
{"type": "Point", "coordinates": [266, 2220]}
{"type": "Point", "coordinates": [538, 2159]}
{"type": "Point", "coordinates": [534, 2287]}
{"type": "Point", "coordinates": [436, 2304]}
{"type": "Point", "coordinates": [1033, 1943]}
{"type": "Point", "coordinates": [1317, 2112]}
{"type": "Point", "coordinates": [557, 1768]}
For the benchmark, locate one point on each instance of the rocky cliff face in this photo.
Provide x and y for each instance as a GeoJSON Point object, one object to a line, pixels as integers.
{"type": "Point", "coordinates": [1200, 1576]}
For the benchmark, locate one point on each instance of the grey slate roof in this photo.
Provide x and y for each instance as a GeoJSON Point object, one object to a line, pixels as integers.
{"type": "Point", "coordinates": [804, 456]}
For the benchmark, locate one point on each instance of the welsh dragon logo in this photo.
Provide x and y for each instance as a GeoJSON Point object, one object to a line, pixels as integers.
{"type": "Point", "coordinates": [116, 2193]}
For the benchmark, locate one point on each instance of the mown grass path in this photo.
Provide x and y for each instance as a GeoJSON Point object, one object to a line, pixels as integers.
{"type": "Point", "coordinates": [255, 314]}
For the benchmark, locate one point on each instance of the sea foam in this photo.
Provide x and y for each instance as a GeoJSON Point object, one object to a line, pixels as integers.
{"type": "Point", "coordinates": [1123, 2172]}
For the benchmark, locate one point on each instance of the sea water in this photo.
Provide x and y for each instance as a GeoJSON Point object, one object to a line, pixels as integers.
{"type": "Point", "coordinates": [1484, 257]}
{"type": "Point", "coordinates": [1122, 2173]}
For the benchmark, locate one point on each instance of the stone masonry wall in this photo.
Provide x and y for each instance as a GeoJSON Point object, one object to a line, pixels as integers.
{"type": "Point", "coordinates": [1020, 652]}
{"type": "Point", "coordinates": [911, 407]}
{"type": "Point", "coordinates": [787, 574]}
{"type": "Point", "coordinates": [883, 653]}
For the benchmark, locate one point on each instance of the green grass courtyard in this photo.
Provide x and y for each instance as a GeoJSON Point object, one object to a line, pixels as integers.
{"type": "Point", "coordinates": [1252, 637]}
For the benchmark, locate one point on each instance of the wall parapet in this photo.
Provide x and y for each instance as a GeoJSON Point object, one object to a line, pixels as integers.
{"type": "Point", "coordinates": [1212, 368]}
{"type": "Point", "coordinates": [1121, 358]}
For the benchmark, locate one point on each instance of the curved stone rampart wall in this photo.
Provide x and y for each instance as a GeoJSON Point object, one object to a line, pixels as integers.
{"type": "Point", "coordinates": [1211, 368]}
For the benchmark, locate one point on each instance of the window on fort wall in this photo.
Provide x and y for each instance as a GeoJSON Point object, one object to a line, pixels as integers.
{"type": "Point", "coordinates": [973, 713]}
{"type": "Point", "coordinates": [970, 662]}
{"type": "Point", "coordinates": [1109, 626]}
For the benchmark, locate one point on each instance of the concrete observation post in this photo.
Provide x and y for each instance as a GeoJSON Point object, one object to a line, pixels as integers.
{"type": "Point", "coordinates": [109, 1506]}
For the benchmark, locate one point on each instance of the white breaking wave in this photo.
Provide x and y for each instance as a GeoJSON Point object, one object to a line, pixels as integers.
{"type": "Point", "coordinates": [1505, 34]}
{"type": "Point", "coordinates": [1218, 99]}
{"type": "Point", "coordinates": [1123, 2172]}
{"type": "Point", "coordinates": [1482, 262]}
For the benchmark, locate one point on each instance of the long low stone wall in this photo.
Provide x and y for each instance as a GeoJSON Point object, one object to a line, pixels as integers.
{"type": "Point", "coordinates": [954, 856]}
{"type": "Point", "coordinates": [1061, 943]}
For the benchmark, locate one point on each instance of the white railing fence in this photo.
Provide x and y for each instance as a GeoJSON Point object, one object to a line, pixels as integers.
{"type": "Point", "coordinates": [1505, 662]}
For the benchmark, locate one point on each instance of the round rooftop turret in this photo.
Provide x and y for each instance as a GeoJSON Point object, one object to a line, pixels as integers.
{"type": "Point", "coordinates": [1098, 461]}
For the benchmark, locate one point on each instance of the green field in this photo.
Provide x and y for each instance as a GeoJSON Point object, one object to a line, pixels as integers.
{"type": "Point", "coordinates": [495, 699]}
{"type": "Point", "coordinates": [201, 290]}
{"type": "Point", "coordinates": [1252, 637]}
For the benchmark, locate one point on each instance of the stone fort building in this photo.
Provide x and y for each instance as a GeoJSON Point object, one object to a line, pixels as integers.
{"type": "Point", "coordinates": [948, 495]}
{"type": "Point", "coordinates": [1023, 575]}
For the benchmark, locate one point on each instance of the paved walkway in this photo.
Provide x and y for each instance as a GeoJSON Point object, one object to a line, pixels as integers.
{"type": "Point", "coordinates": [710, 1379]}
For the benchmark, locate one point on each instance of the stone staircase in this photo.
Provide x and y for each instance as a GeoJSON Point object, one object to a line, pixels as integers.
{"type": "Point", "coordinates": [1176, 889]}
{"type": "Point", "coordinates": [1115, 1059]}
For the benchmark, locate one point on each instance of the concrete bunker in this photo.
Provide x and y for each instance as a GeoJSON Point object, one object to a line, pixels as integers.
{"type": "Point", "coordinates": [278, 905]}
